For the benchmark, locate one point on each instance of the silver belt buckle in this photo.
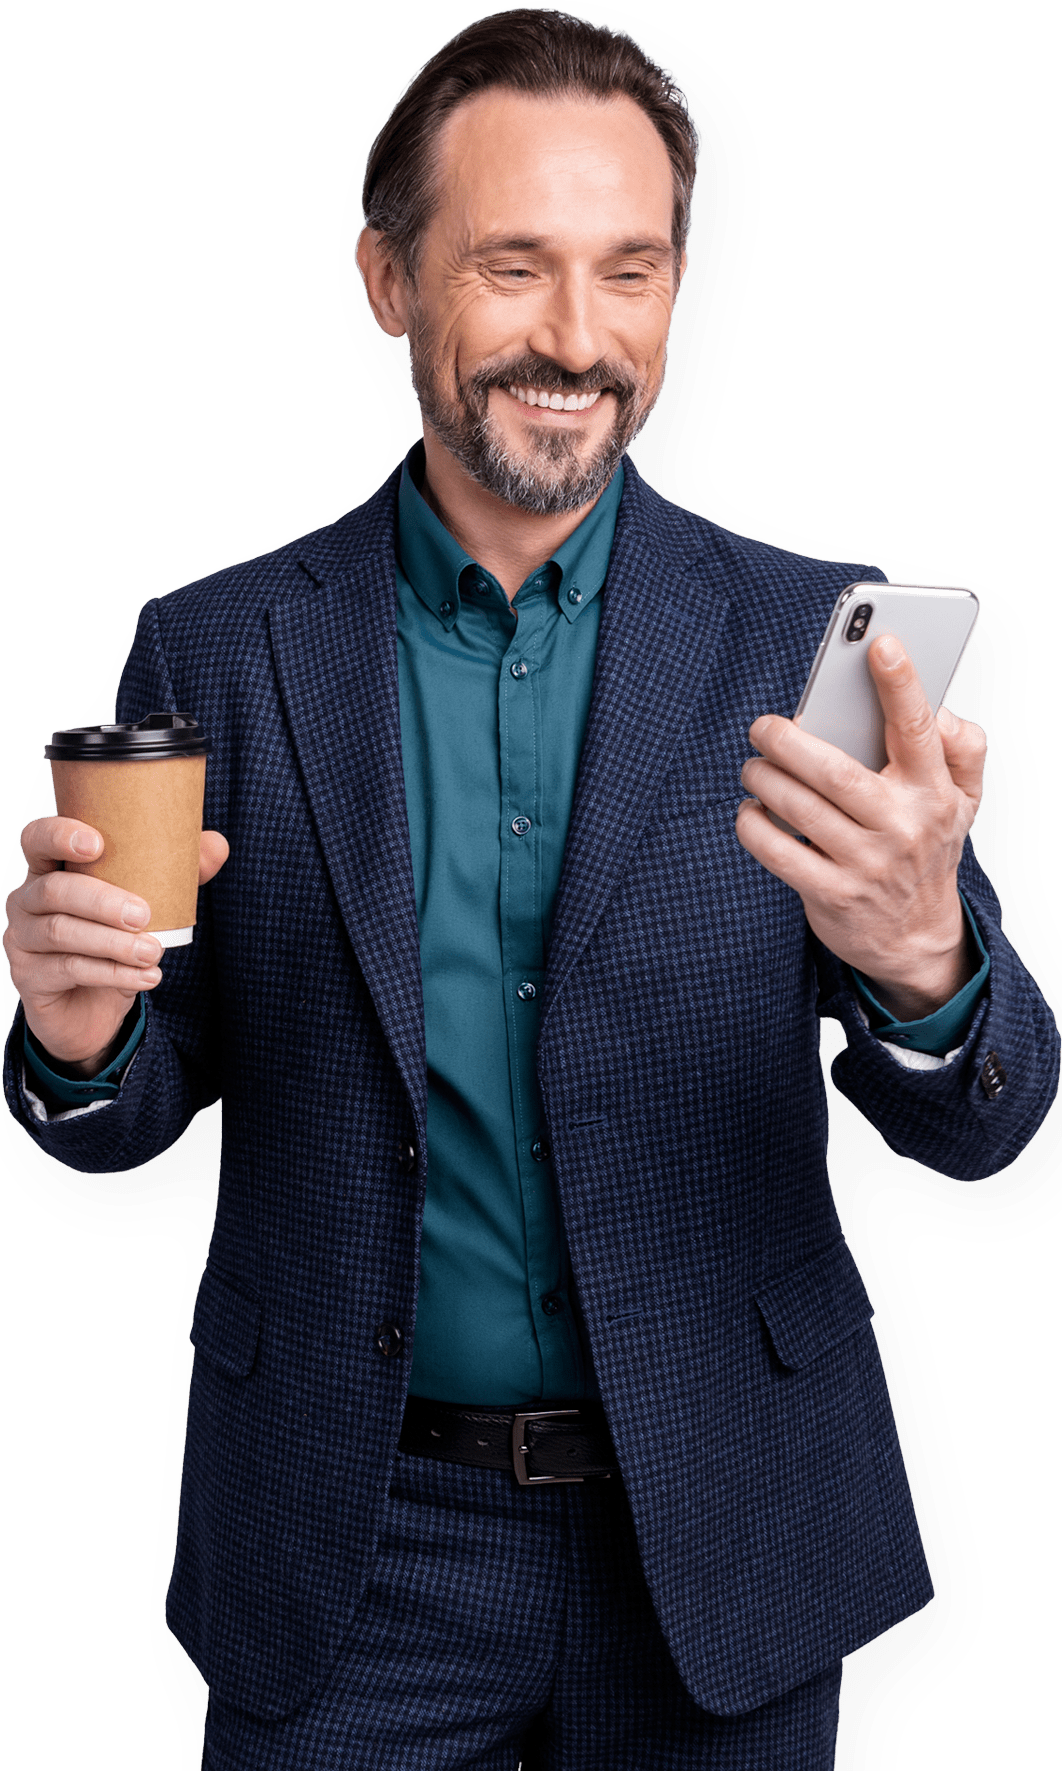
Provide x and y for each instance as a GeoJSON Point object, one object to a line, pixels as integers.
{"type": "Point", "coordinates": [520, 1449]}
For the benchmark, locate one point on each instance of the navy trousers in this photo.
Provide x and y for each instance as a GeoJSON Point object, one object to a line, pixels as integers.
{"type": "Point", "coordinates": [506, 1626]}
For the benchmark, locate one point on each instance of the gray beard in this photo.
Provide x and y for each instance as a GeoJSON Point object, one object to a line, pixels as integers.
{"type": "Point", "coordinates": [548, 479]}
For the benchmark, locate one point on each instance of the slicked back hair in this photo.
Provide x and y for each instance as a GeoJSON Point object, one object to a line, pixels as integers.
{"type": "Point", "coordinates": [545, 54]}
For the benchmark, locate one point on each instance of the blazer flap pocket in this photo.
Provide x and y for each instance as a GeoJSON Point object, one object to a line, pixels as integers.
{"type": "Point", "coordinates": [809, 1310]}
{"type": "Point", "coordinates": [225, 1325]}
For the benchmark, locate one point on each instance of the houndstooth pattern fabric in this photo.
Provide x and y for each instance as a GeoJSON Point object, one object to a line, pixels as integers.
{"type": "Point", "coordinates": [678, 1062]}
{"type": "Point", "coordinates": [503, 1627]}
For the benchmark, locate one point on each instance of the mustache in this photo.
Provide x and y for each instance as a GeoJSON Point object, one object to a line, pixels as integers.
{"type": "Point", "coordinates": [550, 377]}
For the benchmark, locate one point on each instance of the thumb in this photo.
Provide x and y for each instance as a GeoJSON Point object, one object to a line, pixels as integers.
{"type": "Point", "coordinates": [965, 747]}
{"type": "Point", "coordinates": [213, 854]}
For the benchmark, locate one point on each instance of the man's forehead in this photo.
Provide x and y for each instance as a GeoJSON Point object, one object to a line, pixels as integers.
{"type": "Point", "coordinates": [505, 159]}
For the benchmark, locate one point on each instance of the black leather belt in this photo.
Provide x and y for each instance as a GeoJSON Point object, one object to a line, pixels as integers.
{"type": "Point", "coordinates": [566, 1442]}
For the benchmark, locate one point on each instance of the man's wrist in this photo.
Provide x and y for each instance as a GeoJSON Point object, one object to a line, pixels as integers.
{"type": "Point", "coordinates": [945, 1027]}
{"type": "Point", "coordinates": [83, 1069]}
{"type": "Point", "coordinates": [936, 985]}
{"type": "Point", "coordinates": [66, 1084]}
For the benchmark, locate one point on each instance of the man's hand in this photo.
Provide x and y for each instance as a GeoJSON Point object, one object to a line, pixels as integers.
{"type": "Point", "coordinates": [878, 879]}
{"type": "Point", "coordinates": [76, 956]}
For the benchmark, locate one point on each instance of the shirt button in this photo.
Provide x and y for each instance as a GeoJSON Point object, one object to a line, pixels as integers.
{"type": "Point", "coordinates": [446, 608]}
{"type": "Point", "coordinates": [575, 595]}
{"type": "Point", "coordinates": [521, 826]}
{"type": "Point", "coordinates": [552, 1305]}
{"type": "Point", "coordinates": [481, 587]}
{"type": "Point", "coordinates": [518, 669]}
{"type": "Point", "coordinates": [526, 991]}
{"type": "Point", "coordinates": [539, 1150]}
{"type": "Point", "coordinates": [389, 1339]}
{"type": "Point", "coordinates": [407, 1158]}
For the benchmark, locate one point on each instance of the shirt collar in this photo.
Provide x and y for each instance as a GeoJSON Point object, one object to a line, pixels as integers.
{"type": "Point", "coordinates": [435, 564]}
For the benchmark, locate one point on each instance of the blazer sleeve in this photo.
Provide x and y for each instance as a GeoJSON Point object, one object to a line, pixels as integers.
{"type": "Point", "coordinates": [973, 1116]}
{"type": "Point", "coordinates": [176, 1068]}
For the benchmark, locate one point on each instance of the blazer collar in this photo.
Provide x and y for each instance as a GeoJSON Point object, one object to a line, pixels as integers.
{"type": "Point", "coordinates": [335, 654]}
{"type": "Point", "coordinates": [660, 624]}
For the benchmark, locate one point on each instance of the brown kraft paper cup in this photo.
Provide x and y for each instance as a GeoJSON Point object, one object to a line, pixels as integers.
{"type": "Point", "coordinates": [149, 812]}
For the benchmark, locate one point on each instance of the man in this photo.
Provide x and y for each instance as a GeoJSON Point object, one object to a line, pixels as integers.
{"type": "Point", "coordinates": [515, 1025]}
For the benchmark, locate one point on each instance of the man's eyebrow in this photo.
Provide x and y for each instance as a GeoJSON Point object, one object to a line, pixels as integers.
{"type": "Point", "coordinates": [511, 243]}
{"type": "Point", "coordinates": [649, 246]}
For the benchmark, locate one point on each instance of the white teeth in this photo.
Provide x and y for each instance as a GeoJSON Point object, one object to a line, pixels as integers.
{"type": "Point", "coordinates": [530, 396]}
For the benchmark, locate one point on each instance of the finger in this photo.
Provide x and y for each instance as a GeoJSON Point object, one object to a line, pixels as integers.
{"type": "Point", "coordinates": [62, 933]}
{"type": "Point", "coordinates": [79, 894]}
{"type": "Point", "coordinates": [824, 825]}
{"type": "Point", "coordinates": [965, 747]}
{"type": "Point", "coordinates": [47, 841]}
{"type": "Point", "coordinates": [912, 738]}
{"type": "Point", "coordinates": [808, 873]}
{"type": "Point", "coordinates": [831, 772]}
{"type": "Point", "coordinates": [54, 974]}
{"type": "Point", "coordinates": [213, 854]}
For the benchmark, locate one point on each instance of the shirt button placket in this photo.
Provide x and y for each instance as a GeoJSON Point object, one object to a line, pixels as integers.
{"type": "Point", "coordinates": [521, 928]}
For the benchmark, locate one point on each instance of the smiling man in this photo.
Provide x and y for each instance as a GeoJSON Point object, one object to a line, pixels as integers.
{"type": "Point", "coordinates": [536, 1413]}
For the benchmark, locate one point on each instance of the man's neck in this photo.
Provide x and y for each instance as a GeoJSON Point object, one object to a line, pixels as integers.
{"type": "Point", "coordinates": [507, 542]}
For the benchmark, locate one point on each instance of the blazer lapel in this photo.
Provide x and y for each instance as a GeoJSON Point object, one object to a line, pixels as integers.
{"type": "Point", "coordinates": [335, 657]}
{"type": "Point", "coordinates": [658, 633]}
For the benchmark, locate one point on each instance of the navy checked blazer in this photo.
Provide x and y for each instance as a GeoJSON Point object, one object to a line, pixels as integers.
{"type": "Point", "coordinates": [680, 1076]}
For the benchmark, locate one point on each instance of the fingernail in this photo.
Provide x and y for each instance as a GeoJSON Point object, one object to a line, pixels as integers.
{"type": "Point", "coordinates": [84, 842]}
{"type": "Point", "coordinates": [890, 651]}
{"type": "Point", "coordinates": [947, 719]}
{"type": "Point", "coordinates": [151, 976]}
{"type": "Point", "coordinates": [148, 950]}
{"type": "Point", "coordinates": [135, 915]}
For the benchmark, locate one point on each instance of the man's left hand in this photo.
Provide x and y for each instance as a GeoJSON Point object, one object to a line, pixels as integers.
{"type": "Point", "coordinates": [878, 875]}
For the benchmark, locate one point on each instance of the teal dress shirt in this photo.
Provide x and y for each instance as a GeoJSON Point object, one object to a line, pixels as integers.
{"type": "Point", "coordinates": [493, 702]}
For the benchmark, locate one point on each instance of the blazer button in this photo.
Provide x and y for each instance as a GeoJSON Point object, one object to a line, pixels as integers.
{"type": "Point", "coordinates": [407, 1158]}
{"type": "Point", "coordinates": [389, 1339]}
{"type": "Point", "coordinates": [993, 1076]}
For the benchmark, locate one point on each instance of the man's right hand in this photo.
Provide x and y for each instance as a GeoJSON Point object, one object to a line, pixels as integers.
{"type": "Point", "coordinates": [75, 946]}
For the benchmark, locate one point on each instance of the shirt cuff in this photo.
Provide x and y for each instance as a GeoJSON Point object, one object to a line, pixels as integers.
{"type": "Point", "coordinates": [73, 1092]}
{"type": "Point", "coordinates": [940, 1032]}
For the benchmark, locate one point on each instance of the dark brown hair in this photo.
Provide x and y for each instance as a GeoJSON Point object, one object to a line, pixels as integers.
{"type": "Point", "coordinates": [544, 53]}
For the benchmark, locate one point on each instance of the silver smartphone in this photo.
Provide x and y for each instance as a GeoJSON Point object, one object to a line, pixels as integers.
{"type": "Point", "coordinates": [840, 702]}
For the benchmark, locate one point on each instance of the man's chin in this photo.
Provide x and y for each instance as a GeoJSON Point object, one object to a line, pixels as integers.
{"type": "Point", "coordinates": [548, 474]}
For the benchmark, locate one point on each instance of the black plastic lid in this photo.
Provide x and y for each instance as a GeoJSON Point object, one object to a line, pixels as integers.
{"type": "Point", "coordinates": [158, 735]}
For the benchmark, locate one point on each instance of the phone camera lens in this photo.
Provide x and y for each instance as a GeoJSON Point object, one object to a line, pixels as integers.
{"type": "Point", "coordinates": [857, 626]}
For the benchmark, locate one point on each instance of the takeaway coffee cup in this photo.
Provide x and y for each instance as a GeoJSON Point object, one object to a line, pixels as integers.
{"type": "Point", "coordinates": [141, 787]}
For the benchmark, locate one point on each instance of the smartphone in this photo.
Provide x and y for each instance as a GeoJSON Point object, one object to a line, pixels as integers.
{"type": "Point", "coordinates": [840, 702]}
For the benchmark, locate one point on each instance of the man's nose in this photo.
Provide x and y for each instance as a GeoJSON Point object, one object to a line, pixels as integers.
{"type": "Point", "coordinates": [568, 327]}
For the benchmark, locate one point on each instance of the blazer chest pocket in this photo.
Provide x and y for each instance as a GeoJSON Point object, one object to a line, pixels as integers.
{"type": "Point", "coordinates": [225, 1325]}
{"type": "Point", "coordinates": [811, 1309]}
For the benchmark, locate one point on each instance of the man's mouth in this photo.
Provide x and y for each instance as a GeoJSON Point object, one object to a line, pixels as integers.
{"type": "Point", "coordinates": [533, 396]}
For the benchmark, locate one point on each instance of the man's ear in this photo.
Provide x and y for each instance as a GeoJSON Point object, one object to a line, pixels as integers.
{"type": "Point", "coordinates": [385, 285]}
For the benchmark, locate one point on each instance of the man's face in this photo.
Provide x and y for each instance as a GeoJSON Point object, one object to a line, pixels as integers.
{"type": "Point", "coordinates": [544, 288]}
